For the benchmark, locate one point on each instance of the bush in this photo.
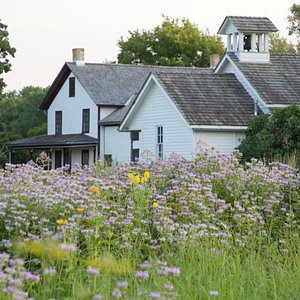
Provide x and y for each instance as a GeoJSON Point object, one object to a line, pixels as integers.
{"type": "Point", "coordinates": [274, 137]}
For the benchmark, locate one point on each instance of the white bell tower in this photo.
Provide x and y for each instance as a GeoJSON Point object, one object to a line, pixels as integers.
{"type": "Point", "coordinates": [248, 37]}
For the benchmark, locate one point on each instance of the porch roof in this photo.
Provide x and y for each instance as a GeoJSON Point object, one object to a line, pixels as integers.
{"type": "Point", "coordinates": [54, 140]}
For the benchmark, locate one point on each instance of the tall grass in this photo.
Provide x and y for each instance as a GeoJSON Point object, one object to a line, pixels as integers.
{"type": "Point", "coordinates": [206, 229]}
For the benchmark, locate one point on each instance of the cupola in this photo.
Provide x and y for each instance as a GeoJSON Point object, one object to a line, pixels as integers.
{"type": "Point", "coordinates": [248, 37]}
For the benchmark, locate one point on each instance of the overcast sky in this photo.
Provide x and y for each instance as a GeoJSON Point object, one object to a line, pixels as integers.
{"type": "Point", "coordinates": [44, 32]}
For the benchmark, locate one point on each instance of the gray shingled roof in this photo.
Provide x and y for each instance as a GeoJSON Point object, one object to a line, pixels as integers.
{"type": "Point", "coordinates": [277, 82]}
{"type": "Point", "coordinates": [209, 99]}
{"type": "Point", "coordinates": [114, 84]}
{"type": "Point", "coordinates": [116, 117]}
{"type": "Point", "coordinates": [250, 24]}
{"type": "Point", "coordinates": [53, 140]}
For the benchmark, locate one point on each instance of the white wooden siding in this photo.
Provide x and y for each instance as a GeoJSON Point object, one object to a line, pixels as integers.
{"type": "Point", "coordinates": [71, 108]}
{"type": "Point", "coordinates": [117, 144]}
{"type": "Point", "coordinates": [224, 142]}
{"type": "Point", "coordinates": [156, 108]}
{"type": "Point", "coordinates": [104, 112]}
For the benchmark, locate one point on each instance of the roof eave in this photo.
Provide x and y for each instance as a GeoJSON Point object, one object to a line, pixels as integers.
{"type": "Point", "coordinates": [221, 29]}
{"type": "Point", "coordinates": [55, 87]}
{"type": "Point", "coordinates": [218, 128]}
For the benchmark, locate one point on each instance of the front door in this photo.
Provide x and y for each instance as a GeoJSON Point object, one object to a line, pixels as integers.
{"type": "Point", "coordinates": [58, 159]}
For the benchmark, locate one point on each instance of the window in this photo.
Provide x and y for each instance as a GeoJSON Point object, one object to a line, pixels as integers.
{"type": "Point", "coordinates": [85, 157]}
{"type": "Point", "coordinates": [135, 154]}
{"type": "Point", "coordinates": [86, 120]}
{"type": "Point", "coordinates": [159, 141]}
{"type": "Point", "coordinates": [72, 87]}
{"type": "Point", "coordinates": [135, 135]}
{"type": "Point", "coordinates": [58, 122]}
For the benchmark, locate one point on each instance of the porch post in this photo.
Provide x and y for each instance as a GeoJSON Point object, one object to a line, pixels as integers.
{"type": "Point", "coordinates": [9, 155]}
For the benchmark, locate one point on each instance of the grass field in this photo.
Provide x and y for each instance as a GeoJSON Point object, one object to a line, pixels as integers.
{"type": "Point", "coordinates": [205, 229]}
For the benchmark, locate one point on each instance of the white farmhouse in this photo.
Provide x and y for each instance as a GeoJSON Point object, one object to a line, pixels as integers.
{"type": "Point", "coordinates": [116, 112]}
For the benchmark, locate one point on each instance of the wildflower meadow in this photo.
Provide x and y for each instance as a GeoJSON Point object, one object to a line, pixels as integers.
{"type": "Point", "coordinates": [210, 228]}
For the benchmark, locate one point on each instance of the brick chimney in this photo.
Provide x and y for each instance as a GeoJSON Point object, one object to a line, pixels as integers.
{"type": "Point", "coordinates": [214, 60]}
{"type": "Point", "coordinates": [78, 56]}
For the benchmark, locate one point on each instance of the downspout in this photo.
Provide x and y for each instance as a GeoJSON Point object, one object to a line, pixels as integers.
{"type": "Point", "coordinates": [98, 148]}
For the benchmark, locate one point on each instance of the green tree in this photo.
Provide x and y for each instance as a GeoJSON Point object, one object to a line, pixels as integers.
{"type": "Point", "coordinates": [280, 44]}
{"type": "Point", "coordinates": [273, 136]}
{"type": "Point", "coordinates": [176, 42]}
{"type": "Point", "coordinates": [5, 51]}
{"type": "Point", "coordinates": [21, 118]}
{"type": "Point", "coordinates": [294, 20]}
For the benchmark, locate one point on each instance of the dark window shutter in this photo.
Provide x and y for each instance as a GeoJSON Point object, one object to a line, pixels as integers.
{"type": "Point", "coordinates": [72, 87]}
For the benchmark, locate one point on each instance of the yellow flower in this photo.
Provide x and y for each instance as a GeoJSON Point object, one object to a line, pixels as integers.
{"type": "Point", "coordinates": [143, 179]}
{"type": "Point", "coordinates": [80, 209]}
{"type": "Point", "coordinates": [130, 176]}
{"type": "Point", "coordinates": [62, 221]}
{"type": "Point", "coordinates": [154, 204]}
{"type": "Point", "coordinates": [95, 190]}
{"type": "Point", "coordinates": [136, 179]}
{"type": "Point", "coordinates": [147, 174]}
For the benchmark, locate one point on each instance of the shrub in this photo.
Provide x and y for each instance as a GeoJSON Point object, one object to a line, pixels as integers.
{"type": "Point", "coordinates": [274, 137]}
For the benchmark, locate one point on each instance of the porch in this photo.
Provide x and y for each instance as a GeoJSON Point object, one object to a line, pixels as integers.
{"type": "Point", "coordinates": [63, 149]}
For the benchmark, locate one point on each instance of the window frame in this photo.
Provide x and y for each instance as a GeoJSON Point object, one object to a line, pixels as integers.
{"type": "Point", "coordinates": [71, 87]}
{"type": "Point", "coordinates": [86, 120]}
{"type": "Point", "coordinates": [58, 122]}
{"type": "Point", "coordinates": [159, 137]}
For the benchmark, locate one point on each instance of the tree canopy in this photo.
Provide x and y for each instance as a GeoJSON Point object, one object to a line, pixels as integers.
{"type": "Point", "coordinates": [20, 117]}
{"type": "Point", "coordinates": [5, 51]}
{"type": "Point", "coordinates": [273, 136]}
{"type": "Point", "coordinates": [176, 42]}
{"type": "Point", "coordinates": [280, 44]}
{"type": "Point", "coordinates": [294, 20]}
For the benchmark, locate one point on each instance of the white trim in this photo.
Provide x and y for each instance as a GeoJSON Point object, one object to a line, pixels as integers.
{"type": "Point", "coordinates": [219, 128]}
{"type": "Point", "coordinates": [277, 105]}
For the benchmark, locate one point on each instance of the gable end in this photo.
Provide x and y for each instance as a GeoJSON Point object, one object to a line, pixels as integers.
{"type": "Point", "coordinates": [55, 87]}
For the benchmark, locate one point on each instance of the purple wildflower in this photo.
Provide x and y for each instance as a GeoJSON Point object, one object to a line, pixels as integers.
{"type": "Point", "coordinates": [117, 294]}
{"type": "Point", "coordinates": [93, 271]}
{"type": "Point", "coordinates": [49, 271]}
{"type": "Point", "coordinates": [122, 285]}
{"type": "Point", "coordinates": [155, 295]}
{"type": "Point", "coordinates": [142, 274]}
{"type": "Point", "coordinates": [68, 247]}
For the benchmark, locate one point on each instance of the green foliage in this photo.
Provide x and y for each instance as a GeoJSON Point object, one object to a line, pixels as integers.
{"type": "Point", "coordinates": [274, 136]}
{"type": "Point", "coordinates": [21, 118]}
{"type": "Point", "coordinates": [5, 51]}
{"type": "Point", "coordinates": [176, 42]}
{"type": "Point", "coordinates": [294, 20]}
{"type": "Point", "coordinates": [280, 44]}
